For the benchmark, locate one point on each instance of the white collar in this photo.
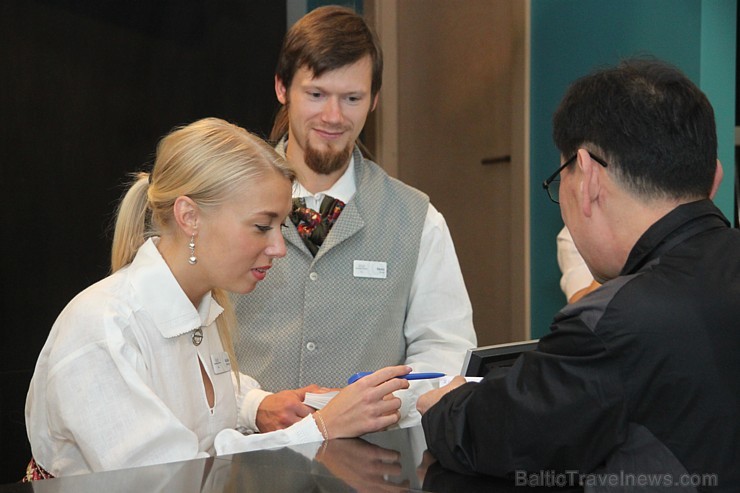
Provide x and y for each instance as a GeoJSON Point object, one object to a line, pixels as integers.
{"type": "Point", "coordinates": [162, 297]}
{"type": "Point", "coordinates": [344, 188]}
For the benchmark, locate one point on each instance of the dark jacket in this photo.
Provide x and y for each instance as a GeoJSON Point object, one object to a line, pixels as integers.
{"type": "Point", "coordinates": [641, 376]}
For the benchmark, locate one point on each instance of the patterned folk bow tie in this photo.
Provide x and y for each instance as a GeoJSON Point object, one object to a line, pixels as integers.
{"type": "Point", "coordinates": [313, 227]}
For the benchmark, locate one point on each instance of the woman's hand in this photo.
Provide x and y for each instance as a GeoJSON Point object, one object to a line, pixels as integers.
{"type": "Point", "coordinates": [362, 465]}
{"type": "Point", "coordinates": [365, 406]}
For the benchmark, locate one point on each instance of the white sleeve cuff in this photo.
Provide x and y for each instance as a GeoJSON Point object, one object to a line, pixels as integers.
{"type": "Point", "coordinates": [232, 442]}
{"type": "Point", "coordinates": [248, 399]}
{"type": "Point", "coordinates": [409, 415]}
{"type": "Point", "coordinates": [575, 273]}
{"type": "Point", "coordinates": [247, 411]}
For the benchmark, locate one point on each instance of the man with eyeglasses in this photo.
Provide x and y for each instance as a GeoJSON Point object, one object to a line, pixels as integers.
{"type": "Point", "coordinates": [637, 381]}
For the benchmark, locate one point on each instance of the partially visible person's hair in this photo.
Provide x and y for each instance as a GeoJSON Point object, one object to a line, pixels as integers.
{"type": "Point", "coordinates": [323, 40]}
{"type": "Point", "coordinates": [209, 161]}
{"type": "Point", "coordinates": [653, 126]}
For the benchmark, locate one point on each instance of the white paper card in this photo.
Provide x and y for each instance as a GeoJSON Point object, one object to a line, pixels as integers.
{"type": "Point", "coordinates": [368, 268]}
{"type": "Point", "coordinates": [319, 400]}
{"type": "Point", "coordinates": [448, 378]}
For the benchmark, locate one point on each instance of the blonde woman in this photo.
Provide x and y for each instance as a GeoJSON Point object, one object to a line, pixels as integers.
{"type": "Point", "coordinates": [139, 368]}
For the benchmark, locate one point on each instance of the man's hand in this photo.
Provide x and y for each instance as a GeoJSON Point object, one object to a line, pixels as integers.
{"type": "Point", "coordinates": [282, 409]}
{"type": "Point", "coordinates": [429, 399]}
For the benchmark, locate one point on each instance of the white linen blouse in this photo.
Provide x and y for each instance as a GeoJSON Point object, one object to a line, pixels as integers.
{"type": "Point", "coordinates": [118, 383]}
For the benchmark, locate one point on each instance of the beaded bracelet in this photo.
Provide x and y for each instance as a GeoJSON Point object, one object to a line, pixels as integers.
{"type": "Point", "coordinates": [322, 425]}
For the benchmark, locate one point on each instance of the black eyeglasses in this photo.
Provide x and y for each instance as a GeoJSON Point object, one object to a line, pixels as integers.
{"type": "Point", "coordinates": [552, 184]}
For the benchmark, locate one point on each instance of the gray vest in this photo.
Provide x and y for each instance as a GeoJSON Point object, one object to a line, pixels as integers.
{"type": "Point", "coordinates": [314, 320]}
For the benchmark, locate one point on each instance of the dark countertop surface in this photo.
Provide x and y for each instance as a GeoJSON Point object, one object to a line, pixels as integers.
{"type": "Point", "coordinates": [390, 461]}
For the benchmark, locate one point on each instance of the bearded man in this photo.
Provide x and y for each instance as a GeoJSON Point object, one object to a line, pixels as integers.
{"type": "Point", "coordinates": [371, 277]}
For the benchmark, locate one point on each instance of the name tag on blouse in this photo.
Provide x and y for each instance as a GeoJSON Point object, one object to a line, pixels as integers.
{"type": "Point", "coordinates": [221, 362]}
{"type": "Point", "coordinates": [368, 268]}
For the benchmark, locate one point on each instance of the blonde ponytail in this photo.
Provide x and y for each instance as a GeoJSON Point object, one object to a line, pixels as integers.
{"type": "Point", "coordinates": [131, 223]}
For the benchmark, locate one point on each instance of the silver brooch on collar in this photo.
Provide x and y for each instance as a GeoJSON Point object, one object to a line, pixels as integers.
{"type": "Point", "coordinates": [197, 336]}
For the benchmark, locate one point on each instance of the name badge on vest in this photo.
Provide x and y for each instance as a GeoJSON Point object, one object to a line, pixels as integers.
{"type": "Point", "coordinates": [221, 363]}
{"type": "Point", "coordinates": [368, 268]}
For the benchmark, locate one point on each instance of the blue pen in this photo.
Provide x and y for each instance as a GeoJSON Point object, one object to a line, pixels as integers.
{"type": "Point", "coordinates": [410, 376]}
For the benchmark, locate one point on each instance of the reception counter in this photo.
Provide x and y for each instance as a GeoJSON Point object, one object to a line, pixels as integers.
{"type": "Point", "coordinates": [390, 461]}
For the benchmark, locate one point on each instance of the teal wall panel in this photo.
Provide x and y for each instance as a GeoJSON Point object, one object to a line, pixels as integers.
{"type": "Point", "coordinates": [571, 38]}
{"type": "Point", "coordinates": [717, 79]}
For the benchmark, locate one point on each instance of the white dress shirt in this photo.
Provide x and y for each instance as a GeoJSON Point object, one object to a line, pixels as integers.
{"type": "Point", "coordinates": [439, 321]}
{"type": "Point", "coordinates": [575, 273]}
{"type": "Point", "coordinates": [118, 383]}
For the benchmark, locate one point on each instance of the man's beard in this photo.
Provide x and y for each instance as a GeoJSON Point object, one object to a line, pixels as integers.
{"type": "Point", "coordinates": [326, 162]}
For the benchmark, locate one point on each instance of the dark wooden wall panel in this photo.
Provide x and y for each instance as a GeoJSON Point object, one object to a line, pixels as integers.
{"type": "Point", "coordinates": [86, 90]}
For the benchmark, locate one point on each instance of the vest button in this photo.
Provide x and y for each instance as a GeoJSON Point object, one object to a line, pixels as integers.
{"type": "Point", "coordinates": [311, 346]}
{"type": "Point", "coordinates": [313, 276]}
